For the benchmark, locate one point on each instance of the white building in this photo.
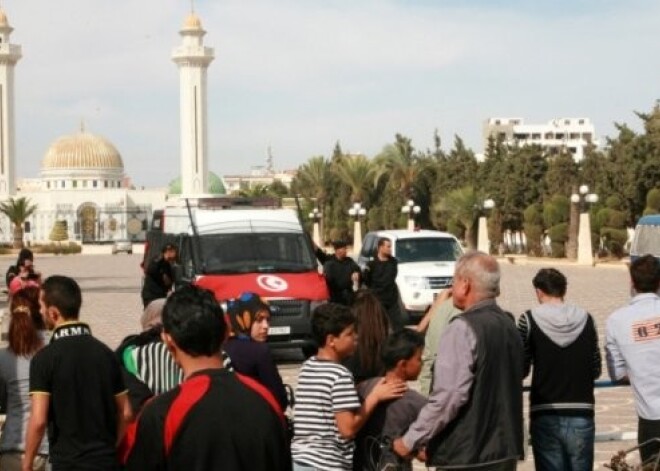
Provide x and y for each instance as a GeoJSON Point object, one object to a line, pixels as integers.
{"type": "Point", "coordinates": [82, 179]}
{"type": "Point", "coordinates": [572, 134]}
{"type": "Point", "coordinates": [258, 176]}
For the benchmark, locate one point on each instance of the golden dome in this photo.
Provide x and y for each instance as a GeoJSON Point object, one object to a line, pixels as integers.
{"type": "Point", "coordinates": [82, 151]}
{"type": "Point", "coordinates": [192, 22]}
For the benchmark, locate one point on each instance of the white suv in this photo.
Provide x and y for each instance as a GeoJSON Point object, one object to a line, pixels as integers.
{"type": "Point", "coordinates": [426, 264]}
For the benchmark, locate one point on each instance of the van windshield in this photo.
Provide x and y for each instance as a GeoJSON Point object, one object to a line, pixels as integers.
{"type": "Point", "coordinates": [647, 240]}
{"type": "Point", "coordinates": [256, 252]}
{"type": "Point", "coordinates": [433, 249]}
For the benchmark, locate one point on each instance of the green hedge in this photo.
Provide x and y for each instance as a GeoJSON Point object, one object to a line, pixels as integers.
{"type": "Point", "coordinates": [58, 249]}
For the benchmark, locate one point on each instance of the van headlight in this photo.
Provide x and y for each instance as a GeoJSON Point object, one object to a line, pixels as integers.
{"type": "Point", "coordinates": [417, 282]}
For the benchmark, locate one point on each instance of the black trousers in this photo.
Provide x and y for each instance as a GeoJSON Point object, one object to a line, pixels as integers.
{"type": "Point", "coordinates": [647, 430]}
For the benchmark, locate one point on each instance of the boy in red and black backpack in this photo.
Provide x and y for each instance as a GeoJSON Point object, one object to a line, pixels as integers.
{"type": "Point", "coordinates": [215, 419]}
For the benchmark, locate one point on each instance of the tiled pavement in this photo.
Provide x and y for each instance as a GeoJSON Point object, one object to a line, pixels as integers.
{"type": "Point", "coordinates": [112, 306]}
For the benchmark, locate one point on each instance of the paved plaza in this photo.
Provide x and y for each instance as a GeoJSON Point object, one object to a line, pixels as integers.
{"type": "Point", "coordinates": [112, 306]}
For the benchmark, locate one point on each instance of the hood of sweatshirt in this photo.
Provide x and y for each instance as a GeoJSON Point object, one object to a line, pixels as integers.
{"type": "Point", "coordinates": [563, 323]}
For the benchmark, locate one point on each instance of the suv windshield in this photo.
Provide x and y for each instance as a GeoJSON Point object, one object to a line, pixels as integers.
{"type": "Point", "coordinates": [256, 252]}
{"type": "Point", "coordinates": [427, 250]}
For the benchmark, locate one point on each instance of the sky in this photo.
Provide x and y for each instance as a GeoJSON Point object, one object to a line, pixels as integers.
{"type": "Point", "coordinates": [300, 75]}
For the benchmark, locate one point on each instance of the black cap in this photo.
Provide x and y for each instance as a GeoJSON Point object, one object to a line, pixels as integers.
{"type": "Point", "coordinates": [339, 244]}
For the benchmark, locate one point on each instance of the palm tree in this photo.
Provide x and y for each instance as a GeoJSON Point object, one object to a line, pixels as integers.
{"type": "Point", "coordinates": [356, 171]}
{"type": "Point", "coordinates": [18, 210]}
{"type": "Point", "coordinates": [312, 179]}
{"type": "Point", "coordinates": [462, 204]}
{"type": "Point", "coordinates": [399, 163]}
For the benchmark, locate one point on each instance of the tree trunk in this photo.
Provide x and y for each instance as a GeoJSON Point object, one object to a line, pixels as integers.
{"type": "Point", "coordinates": [18, 236]}
{"type": "Point", "coordinates": [573, 227]}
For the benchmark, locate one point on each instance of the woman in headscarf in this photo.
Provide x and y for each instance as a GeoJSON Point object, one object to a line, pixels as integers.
{"type": "Point", "coordinates": [249, 316]}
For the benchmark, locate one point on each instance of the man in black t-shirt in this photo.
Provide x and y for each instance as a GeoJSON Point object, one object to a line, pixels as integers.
{"type": "Point", "coordinates": [76, 388]}
{"type": "Point", "coordinates": [215, 419]}
{"type": "Point", "coordinates": [380, 276]}
{"type": "Point", "coordinates": [159, 277]}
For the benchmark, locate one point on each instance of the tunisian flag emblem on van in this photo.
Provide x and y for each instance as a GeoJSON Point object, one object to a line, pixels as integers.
{"type": "Point", "coordinates": [309, 285]}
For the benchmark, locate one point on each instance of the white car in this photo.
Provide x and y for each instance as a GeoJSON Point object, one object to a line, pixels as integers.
{"type": "Point", "coordinates": [426, 264]}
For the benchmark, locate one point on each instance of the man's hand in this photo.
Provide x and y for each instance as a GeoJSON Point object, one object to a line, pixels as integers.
{"type": "Point", "coordinates": [400, 449]}
{"type": "Point", "coordinates": [355, 276]}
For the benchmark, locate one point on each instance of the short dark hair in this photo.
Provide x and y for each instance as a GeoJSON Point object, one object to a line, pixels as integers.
{"type": "Point", "coordinates": [551, 282]}
{"type": "Point", "coordinates": [167, 247]}
{"type": "Point", "coordinates": [382, 240]}
{"type": "Point", "coordinates": [401, 345]}
{"type": "Point", "coordinates": [645, 274]}
{"type": "Point", "coordinates": [63, 293]}
{"type": "Point", "coordinates": [330, 319]}
{"type": "Point", "coordinates": [195, 320]}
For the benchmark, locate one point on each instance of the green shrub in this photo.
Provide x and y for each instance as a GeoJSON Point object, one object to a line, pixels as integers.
{"type": "Point", "coordinates": [558, 249]}
{"type": "Point", "coordinates": [58, 249]}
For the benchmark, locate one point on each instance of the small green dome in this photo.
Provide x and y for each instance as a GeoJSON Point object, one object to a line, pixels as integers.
{"type": "Point", "coordinates": [216, 187]}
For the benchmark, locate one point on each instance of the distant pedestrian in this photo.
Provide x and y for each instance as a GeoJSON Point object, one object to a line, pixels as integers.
{"type": "Point", "coordinates": [633, 349]}
{"type": "Point", "coordinates": [328, 413]}
{"type": "Point", "coordinates": [12, 271]}
{"type": "Point", "coordinates": [249, 316]}
{"type": "Point", "coordinates": [215, 419]}
{"type": "Point", "coordinates": [159, 276]}
{"type": "Point", "coordinates": [473, 419]}
{"type": "Point", "coordinates": [561, 341]}
{"type": "Point", "coordinates": [76, 388]}
{"type": "Point", "coordinates": [26, 336]}
{"type": "Point", "coordinates": [380, 276]}
{"type": "Point", "coordinates": [342, 275]}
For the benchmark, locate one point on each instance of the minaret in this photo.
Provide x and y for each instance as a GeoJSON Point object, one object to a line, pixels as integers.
{"type": "Point", "coordinates": [9, 56]}
{"type": "Point", "coordinates": [193, 59]}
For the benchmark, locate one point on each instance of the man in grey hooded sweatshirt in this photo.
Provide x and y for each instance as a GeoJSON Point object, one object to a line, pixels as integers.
{"type": "Point", "coordinates": [561, 342]}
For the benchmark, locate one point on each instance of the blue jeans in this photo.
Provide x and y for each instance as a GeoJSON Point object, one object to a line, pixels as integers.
{"type": "Point", "coordinates": [563, 443]}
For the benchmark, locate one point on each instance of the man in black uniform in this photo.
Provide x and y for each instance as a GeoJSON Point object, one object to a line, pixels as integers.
{"type": "Point", "coordinates": [380, 276]}
{"type": "Point", "coordinates": [159, 277]}
{"type": "Point", "coordinates": [341, 275]}
{"type": "Point", "coordinates": [215, 419]}
{"type": "Point", "coordinates": [76, 388]}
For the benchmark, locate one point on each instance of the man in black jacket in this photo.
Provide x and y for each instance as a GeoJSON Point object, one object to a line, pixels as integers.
{"type": "Point", "coordinates": [159, 277]}
{"type": "Point", "coordinates": [562, 342]}
{"type": "Point", "coordinates": [342, 274]}
{"type": "Point", "coordinates": [473, 419]}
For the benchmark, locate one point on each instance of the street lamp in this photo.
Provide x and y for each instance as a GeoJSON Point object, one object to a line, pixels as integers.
{"type": "Point", "coordinates": [483, 244]}
{"type": "Point", "coordinates": [583, 198]}
{"type": "Point", "coordinates": [315, 215]}
{"type": "Point", "coordinates": [412, 210]}
{"type": "Point", "coordinates": [357, 211]}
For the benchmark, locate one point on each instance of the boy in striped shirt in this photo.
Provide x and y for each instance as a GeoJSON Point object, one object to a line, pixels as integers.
{"type": "Point", "coordinates": [328, 413]}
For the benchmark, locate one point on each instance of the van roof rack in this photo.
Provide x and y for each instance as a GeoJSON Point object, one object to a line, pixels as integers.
{"type": "Point", "coordinates": [239, 202]}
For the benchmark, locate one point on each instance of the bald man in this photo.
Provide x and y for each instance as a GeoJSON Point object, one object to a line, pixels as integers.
{"type": "Point", "coordinates": [473, 419]}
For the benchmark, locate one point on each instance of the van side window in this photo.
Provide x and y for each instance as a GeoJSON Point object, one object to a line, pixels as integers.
{"type": "Point", "coordinates": [368, 246]}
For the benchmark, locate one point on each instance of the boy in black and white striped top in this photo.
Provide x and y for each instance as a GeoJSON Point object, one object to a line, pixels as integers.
{"type": "Point", "coordinates": [328, 413]}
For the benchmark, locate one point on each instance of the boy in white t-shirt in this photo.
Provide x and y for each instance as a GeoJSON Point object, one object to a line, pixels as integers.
{"type": "Point", "coordinates": [328, 413]}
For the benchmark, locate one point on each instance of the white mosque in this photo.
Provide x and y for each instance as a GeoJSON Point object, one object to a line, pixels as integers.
{"type": "Point", "coordinates": [82, 179]}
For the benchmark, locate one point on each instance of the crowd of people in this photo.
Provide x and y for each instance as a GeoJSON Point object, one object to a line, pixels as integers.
{"type": "Point", "coordinates": [198, 388]}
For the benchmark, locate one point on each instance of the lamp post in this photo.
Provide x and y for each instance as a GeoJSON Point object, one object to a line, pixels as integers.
{"type": "Point", "coordinates": [583, 198]}
{"type": "Point", "coordinates": [412, 210]}
{"type": "Point", "coordinates": [315, 215]}
{"type": "Point", "coordinates": [357, 211]}
{"type": "Point", "coordinates": [483, 244]}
